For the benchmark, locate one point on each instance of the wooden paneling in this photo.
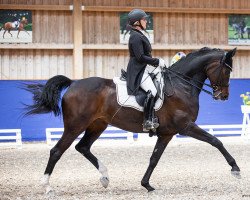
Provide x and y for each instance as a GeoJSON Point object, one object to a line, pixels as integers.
{"type": "Point", "coordinates": [181, 25]}
{"type": "Point", "coordinates": [37, 2]}
{"type": "Point", "coordinates": [108, 63]}
{"type": "Point", "coordinates": [193, 29]}
{"type": "Point", "coordinates": [101, 27]}
{"type": "Point", "coordinates": [52, 27]}
{"type": "Point", "coordinates": [77, 52]}
{"type": "Point", "coordinates": [241, 65]}
{"type": "Point", "coordinates": [35, 64]}
{"type": "Point", "coordinates": [169, 28]}
{"type": "Point", "coordinates": [240, 4]}
{"type": "Point", "coordinates": [105, 64]}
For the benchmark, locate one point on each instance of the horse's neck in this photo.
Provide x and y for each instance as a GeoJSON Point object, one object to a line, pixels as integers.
{"type": "Point", "coordinates": [195, 70]}
{"type": "Point", "coordinates": [22, 22]}
{"type": "Point", "coordinates": [201, 77]}
{"type": "Point", "coordinates": [192, 66]}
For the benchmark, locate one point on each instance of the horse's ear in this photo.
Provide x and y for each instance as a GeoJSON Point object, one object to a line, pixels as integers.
{"type": "Point", "coordinates": [231, 53]}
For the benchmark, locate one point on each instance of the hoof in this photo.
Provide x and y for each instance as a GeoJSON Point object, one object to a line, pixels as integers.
{"type": "Point", "coordinates": [236, 174]}
{"type": "Point", "coordinates": [104, 181]}
{"type": "Point", "coordinates": [148, 187]}
{"type": "Point", "coordinates": [45, 180]}
{"type": "Point", "coordinates": [49, 190]}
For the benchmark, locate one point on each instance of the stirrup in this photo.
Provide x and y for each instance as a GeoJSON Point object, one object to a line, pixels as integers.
{"type": "Point", "coordinates": [156, 125]}
{"type": "Point", "coordinates": [147, 126]}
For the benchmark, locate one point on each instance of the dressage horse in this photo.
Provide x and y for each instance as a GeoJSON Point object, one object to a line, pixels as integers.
{"type": "Point", "coordinates": [90, 105]}
{"type": "Point", "coordinates": [8, 27]}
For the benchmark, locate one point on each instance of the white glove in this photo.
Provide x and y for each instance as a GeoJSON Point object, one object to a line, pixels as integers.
{"type": "Point", "coordinates": [161, 63]}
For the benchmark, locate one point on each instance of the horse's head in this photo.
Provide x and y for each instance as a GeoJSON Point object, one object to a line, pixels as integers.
{"type": "Point", "coordinates": [24, 21]}
{"type": "Point", "coordinates": [218, 72]}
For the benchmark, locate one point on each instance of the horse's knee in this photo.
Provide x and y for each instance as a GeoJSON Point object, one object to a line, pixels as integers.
{"type": "Point", "coordinates": [55, 154]}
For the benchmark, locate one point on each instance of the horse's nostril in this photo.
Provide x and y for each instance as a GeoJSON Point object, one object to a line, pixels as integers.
{"type": "Point", "coordinates": [225, 97]}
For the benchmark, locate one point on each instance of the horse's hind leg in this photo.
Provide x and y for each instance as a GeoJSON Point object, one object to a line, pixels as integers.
{"type": "Point", "coordinates": [10, 33]}
{"type": "Point", "coordinates": [196, 132]}
{"type": "Point", "coordinates": [4, 33]}
{"type": "Point", "coordinates": [55, 154]}
{"type": "Point", "coordinates": [91, 135]}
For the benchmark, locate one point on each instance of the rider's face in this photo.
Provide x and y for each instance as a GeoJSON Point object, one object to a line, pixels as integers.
{"type": "Point", "coordinates": [144, 23]}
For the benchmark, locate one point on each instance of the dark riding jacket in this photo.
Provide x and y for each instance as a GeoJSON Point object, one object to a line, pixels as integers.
{"type": "Point", "coordinates": [140, 55]}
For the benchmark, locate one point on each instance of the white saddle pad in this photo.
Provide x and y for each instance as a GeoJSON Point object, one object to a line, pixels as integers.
{"type": "Point", "coordinates": [126, 100]}
{"type": "Point", "coordinates": [14, 24]}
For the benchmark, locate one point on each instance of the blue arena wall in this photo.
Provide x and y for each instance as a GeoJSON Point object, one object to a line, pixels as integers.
{"type": "Point", "coordinates": [33, 127]}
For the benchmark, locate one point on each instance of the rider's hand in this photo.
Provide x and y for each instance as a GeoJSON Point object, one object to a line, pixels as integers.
{"type": "Point", "coordinates": [161, 63]}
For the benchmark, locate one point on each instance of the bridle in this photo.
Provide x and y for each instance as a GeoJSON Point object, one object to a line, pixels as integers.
{"type": "Point", "coordinates": [194, 82]}
{"type": "Point", "coordinates": [219, 83]}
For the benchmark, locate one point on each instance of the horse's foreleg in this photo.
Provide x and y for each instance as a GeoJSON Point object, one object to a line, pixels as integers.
{"type": "Point", "coordinates": [91, 135]}
{"type": "Point", "coordinates": [55, 154]}
{"type": "Point", "coordinates": [18, 33]}
{"type": "Point", "coordinates": [196, 132]}
{"type": "Point", "coordinates": [22, 29]}
{"type": "Point", "coordinates": [26, 31]}
{"type": "Point", "coordinates": [155, 157]}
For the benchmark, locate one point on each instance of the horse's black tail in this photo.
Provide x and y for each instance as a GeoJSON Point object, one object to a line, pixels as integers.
{"type": "Point", "coordinates": [46, 96]}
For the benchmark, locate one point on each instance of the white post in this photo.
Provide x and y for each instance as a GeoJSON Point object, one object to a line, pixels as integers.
{"type": "Point", "coordinates": [130, 137]}
{"type": "Point", "coordinates": [245, 122]}
{"type": "Point", "coordinates": [19, 139]}
{"type": "Point", "coordinates": [48, 137]}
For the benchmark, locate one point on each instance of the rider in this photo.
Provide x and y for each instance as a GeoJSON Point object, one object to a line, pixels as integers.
{"type": "Point", "coordinates": [140, 56]}
{"type": "Point", "coordinates": [16, 22]}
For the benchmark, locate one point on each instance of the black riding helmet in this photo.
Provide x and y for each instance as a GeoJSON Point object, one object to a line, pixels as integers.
{"type": "Point", "coordinates": [136, 15]}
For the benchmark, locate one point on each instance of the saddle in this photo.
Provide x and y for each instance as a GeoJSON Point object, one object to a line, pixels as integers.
{"type": "Point", "coordinates": [137, 102]}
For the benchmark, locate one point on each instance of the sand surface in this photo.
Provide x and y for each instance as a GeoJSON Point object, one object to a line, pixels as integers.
{"type": "Point", "coordinates": [185, 171]}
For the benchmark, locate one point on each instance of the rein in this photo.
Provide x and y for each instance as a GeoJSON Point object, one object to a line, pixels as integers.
{"type": "Point", "coordinates": [185, 77]}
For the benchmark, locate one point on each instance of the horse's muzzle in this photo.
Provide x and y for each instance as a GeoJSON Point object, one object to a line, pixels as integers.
{"type": "Point", "coordinates": [219, 95]}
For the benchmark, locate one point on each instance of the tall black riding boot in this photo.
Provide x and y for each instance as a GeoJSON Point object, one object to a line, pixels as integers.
{"type": "Point", "coordinates": [146, 122]}
{"type": "Point", "coordinates": [149, 122]}
{"type": "Point", "coordinates": [152, 117]}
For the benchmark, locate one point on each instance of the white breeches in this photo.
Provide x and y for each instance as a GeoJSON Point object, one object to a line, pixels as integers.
{"type": "Point", "coordinates": [147, 83]}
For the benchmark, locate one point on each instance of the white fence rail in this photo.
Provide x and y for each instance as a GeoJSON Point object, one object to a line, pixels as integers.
{"type": "Point", "coordinates": [226, 131]}
{"type": "Point", "coordinates": [10, 137]}
{"type": "Point", "coordinates": [231, 131]}
{"type": "Point", "coordinates": [53, 134]}
{"type": "Point", "coordinates": [14, 137]}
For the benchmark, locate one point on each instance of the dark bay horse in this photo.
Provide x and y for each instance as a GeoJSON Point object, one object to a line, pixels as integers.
{"type": "Point", "coordinates": [90, 105]}
{"type": "Point", "coordinates": [8, 27]}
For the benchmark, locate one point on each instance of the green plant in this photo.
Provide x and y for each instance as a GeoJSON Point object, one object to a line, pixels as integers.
{"type": "Point", "coordinates": [246, 98]}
